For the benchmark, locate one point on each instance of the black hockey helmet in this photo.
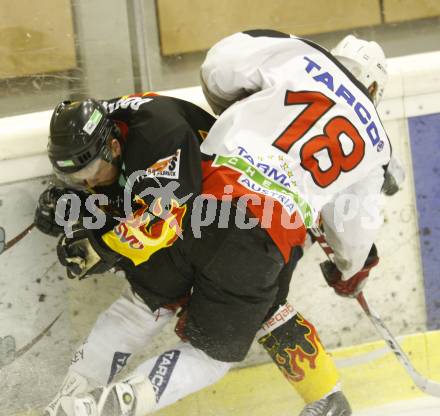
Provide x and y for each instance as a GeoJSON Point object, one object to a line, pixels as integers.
{"type": "Point", "coordinates": [79, 140]}
{"type": "Point", "coordinates": [78, 132]}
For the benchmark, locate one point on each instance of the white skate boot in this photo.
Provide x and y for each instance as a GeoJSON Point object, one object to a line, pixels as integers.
{"type": "Point", "coordinates": [62, 404]}
{"type": "Point", "coordinates": [132, 397]}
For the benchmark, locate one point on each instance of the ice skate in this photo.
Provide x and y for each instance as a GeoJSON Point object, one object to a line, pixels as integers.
{"type": "Point", "coordinates": [334, 405]}
{"type": "Point", "coordinates": [61, 405]}
{"type": "Point", "coordinates": [133, 397]}
{"type": "Point", "coordinates": [55, 410]}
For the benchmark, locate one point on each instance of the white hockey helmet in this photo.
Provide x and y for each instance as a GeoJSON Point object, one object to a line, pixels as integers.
{"type": "Point", "coordinates": [366, 61]}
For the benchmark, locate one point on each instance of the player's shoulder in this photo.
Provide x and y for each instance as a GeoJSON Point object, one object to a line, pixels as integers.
{"type": "Point", "coordinates": [145, 111]}
{"type": "Point", "coordinates": [269, 33]}
{"type": "Point", "coordinates": [146, 105]}
{"type": "Point", "coordinates": [127, 103]}
{"type": "Point", "coordinates": [162, 123]}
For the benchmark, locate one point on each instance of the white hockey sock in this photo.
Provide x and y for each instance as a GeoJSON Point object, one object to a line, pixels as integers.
{"type": "Point", "coordinates": [180, 372]}
{"type": "Point", "coordinates": [120, 332]}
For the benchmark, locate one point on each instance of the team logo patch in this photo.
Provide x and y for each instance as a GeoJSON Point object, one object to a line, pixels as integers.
{"type": "Point", "coordinates": [167, 167]}
{"type": "Point", "coordinates": [65, 163]}
{"type": "Point", "coordinates": [162, 370]}
{"type": "Point", "coordinates": [119, 362]}
{"type": "Point", "coordinates": [93, 122]}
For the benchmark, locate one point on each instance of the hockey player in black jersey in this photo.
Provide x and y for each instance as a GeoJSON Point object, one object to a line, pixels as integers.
{"type": "Point", "coordinates": [123, 148]}
{"type": "Point", "coordinates": [142, 154]}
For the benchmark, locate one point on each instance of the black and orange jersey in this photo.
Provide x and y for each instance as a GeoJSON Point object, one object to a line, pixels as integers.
{"type": "Point", "coordinates": [160, 173]}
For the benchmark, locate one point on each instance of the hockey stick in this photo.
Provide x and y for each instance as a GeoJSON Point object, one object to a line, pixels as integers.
{"type": "Point", "coordinates": [7, 245]}
{"type": "Point", "coordinates": [8, 351]}
{"type": "Point", "coordinates": [426, 385]}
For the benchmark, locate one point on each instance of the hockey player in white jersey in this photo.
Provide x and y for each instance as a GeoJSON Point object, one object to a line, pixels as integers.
{"type": "Point", "coordinates": [303, 138]}
{"type": "Point", "coordinates": [299, 127]}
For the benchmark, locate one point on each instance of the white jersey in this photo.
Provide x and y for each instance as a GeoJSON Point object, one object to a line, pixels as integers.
{"type": "Point", "coordinates": [306, 133]}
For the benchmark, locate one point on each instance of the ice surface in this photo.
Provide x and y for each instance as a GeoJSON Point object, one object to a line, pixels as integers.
{"type": "Point", "coordinates": [420, 407]}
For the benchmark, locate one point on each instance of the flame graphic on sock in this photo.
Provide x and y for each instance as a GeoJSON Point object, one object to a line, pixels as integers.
{"type": "Point", "coordinates": [293, 348]}
{"type": "Point", "coordinates": [291, 364]}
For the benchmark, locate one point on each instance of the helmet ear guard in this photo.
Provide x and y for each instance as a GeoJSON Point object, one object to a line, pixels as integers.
{"type": "Point", "coordinates": [106, 152]}
{"type": "Point", "coordinates": [366, 61]}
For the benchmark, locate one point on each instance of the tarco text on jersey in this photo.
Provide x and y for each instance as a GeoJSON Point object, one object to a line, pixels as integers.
{"type": "Point", "coordinates": [343, 92]}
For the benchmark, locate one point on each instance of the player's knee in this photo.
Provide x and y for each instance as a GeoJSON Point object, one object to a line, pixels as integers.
{"type": "Point", "coordinates": [217, 368]}
{"type": "Point", "coordinates": [220, 368]}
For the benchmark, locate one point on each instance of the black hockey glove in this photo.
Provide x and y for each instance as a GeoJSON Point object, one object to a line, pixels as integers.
{"type": "Point", "coordinates": [45, 213]}
{"type": "Point", "coordinates": [394, 176]}
{"type": "Point", "coordinates": [83, 255]}
{"type": "Point", "coordinates": [390, 186]}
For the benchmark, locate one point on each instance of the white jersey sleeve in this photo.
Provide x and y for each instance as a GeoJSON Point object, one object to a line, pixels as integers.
{"type": "Point", "coordinates": [351, 222]}
{"type": "Point", "coordinates": [232, 68]}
